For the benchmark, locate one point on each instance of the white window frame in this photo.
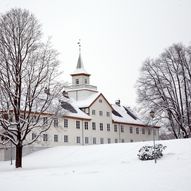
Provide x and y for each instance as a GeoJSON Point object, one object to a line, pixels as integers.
{"type": "Point", "coordinates": [77, 124]}
{"type": "Point", "coordinates": [86, 125]}
{"type": "Point", "coordinates": [65, 123]}
{"type": "Point", "coordinates": [101, 126]}
{"type": "Point", "coordinates": [66, 139]}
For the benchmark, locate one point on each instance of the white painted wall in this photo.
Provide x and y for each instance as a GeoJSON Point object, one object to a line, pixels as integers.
{"type": "Point", "coordinates": [72, 132]}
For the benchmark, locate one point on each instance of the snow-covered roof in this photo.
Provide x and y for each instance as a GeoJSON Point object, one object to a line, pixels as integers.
{"type": "Point", "coordinates": [72, 110]}
{"type": "Point", "coordinates": [122, 115]}
{"type": "Point", "coordinates": [87, 102]}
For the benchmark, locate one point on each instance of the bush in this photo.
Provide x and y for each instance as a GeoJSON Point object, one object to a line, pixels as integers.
{"type": "Point", "coordinates": [149, 153]}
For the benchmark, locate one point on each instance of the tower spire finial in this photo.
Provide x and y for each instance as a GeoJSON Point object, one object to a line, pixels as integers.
{"type": "Point", "coordinates": [79, 44]}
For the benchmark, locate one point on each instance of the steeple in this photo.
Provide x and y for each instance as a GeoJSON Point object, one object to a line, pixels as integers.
{"type": "Point", "coordinates": [79, 63]}
{"type": "Point", "coordinates": [80, 67]}
{"type": "Point", "coordinates": [81, 87]}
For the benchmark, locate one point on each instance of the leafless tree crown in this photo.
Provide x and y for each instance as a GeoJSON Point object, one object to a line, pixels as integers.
{"type": "Point", "coordinates": [28, 71]}
{"type": "Point", "coordinates": [165, 85]}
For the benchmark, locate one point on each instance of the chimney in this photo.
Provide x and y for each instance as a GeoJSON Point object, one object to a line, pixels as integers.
{"type": "Point", "coordinates": [117, 102]}
{"type": "Point", "coordinates": [65, 94]}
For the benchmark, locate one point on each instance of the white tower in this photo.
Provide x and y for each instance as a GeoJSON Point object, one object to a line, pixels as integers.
{"type": "Point", "coordinates": [80, 88]}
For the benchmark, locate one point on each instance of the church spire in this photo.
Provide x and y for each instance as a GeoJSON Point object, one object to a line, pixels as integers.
{"type": "Point", "coordinates": [80, 67]}
{"type": "Point", "coordinates": [79, 63]}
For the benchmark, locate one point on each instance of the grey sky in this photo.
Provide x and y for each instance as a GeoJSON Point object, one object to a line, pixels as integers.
{"type": "Point", "coordinates": [116, 35]}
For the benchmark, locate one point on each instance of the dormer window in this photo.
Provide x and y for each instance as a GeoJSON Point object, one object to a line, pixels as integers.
{"type": "Point", "coordinates": [77, 81]}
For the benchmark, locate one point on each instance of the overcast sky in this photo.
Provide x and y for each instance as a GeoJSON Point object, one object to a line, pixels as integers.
{"type": "Point", "coordinates": [116, 36]}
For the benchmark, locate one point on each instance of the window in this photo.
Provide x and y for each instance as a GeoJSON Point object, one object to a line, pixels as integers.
{"type": "Point", "coordinates": [100, 100]}
{"type": "Point", "coordinates": [86, 81]}
{"type": "Point", "coordinates": [116, 140]}
{"type": "Point", "coordinates": [93, 112]}
{"type": "Point", "coordinates": [45, 137]}
{"type": "Point", "coordinates": [86, 125]}
{"type": "Point", "coordinates": [101, 126]}
{"type": "Point", "coordinates": [11, 118]}
{"type": "Point", "coordinates": [78, 140]}
{"type": "Point", "coordinates": [45, 121]}
{"type": "Point", "coordinates": [94, 140]}
{"type": "Point", "coordinates": [108, 127]}
{"type": "Point", "coordinates": [108, 114]}
{"type": "Point", "coordinates": [77, 81]}
{"type": "Point", "coordinates": [33, 136]}
{"type": "Point", "coordinates": [149, 131]}
{"type": "Point", "coordinates": [66, 123]}
{"type": "Point", "coordinates": [33, 120]}
{"type": "Point", "coordinates": [77, 124]}
{"type": "Point", "coordinates": [131, 140]}
{"type": "Point", "coordinates": [93, 126]}
{"type": "Point", "coordinates": [122, 129]}
{"type": "Point", "coordinates": [55, 122]}
{"type": "Point", "coordinates": [115, 128]}
{"type": "Point", "coordinates": [86, 140]}
{"type": "Point", "coordinates": [100, 113]}
{"type": "Point", "coordinates": [101, 140]}
{"type": "Point", "coordinates": [122, 140]}
{"type": "Point", "coordinates": [109, 140]}
{"type": "Point", "coordinates": [131, 130]}
{"type": "Point", "coordinates": [143, 130]}
{"type": "Point", "coordinates": [66, 138]}
{"type": "Point", "coordinates": [137, 130]}
{"type": "Point", "coordinates": [55, 138]}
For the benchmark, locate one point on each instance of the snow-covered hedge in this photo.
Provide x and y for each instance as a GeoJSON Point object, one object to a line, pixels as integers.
{"type": "Point", "coordinates": [149, 153]}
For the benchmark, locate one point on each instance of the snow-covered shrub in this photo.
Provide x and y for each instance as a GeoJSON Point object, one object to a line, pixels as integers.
{"type": "Point", "coordinates": [149, 153]}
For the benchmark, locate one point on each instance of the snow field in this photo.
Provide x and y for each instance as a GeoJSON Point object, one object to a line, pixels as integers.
{"type": "Point", "coordinates": [112, 167]}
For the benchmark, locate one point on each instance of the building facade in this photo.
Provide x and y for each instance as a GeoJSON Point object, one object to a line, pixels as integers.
{"type": "Point", "coordinates": [88, 118]}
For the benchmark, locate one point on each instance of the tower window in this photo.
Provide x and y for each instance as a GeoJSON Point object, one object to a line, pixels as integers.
{"type": "Point", "coordinates": [77, 81]}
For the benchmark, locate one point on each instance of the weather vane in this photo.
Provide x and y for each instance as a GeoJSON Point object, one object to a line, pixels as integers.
{"type": "Point", "coordinates": [79, 44]}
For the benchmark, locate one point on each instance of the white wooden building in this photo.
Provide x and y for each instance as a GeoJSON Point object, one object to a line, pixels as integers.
{"type": "Point", "coordinates": [88, 118]}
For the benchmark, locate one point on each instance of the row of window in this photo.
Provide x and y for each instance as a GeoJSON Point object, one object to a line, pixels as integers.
{"type": "Point", "coordinates": [101, 113]}
{"type": "Point", "coordinates": [78, 139]}
{"type": "Point", "coordinates": [78, 82]}
{"type": "Point", "coordinates": [45, 137]}
{"type": "Point", "coordinates": [44, 120]}
{"type": "Point", "coordinates": [108, 127]}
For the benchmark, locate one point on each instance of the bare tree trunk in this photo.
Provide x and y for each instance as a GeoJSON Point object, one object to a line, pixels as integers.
{"type": "Point", "coordinates": [27, 67]}
{"type": "Point", "coordinates": [18, 162]}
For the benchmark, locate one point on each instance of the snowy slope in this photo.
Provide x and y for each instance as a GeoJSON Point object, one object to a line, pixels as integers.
{"type": "Point", "coordinates": [113, 167]}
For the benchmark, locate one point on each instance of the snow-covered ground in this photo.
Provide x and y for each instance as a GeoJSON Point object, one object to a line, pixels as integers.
{"type": "Point", "coordinates": [113, 167]}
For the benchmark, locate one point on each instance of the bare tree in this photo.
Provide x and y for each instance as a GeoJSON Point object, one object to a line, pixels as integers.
{"type": "Point", "coordinates": [28, 87]}
{"type": "Point", "coordinates": [165, 85]}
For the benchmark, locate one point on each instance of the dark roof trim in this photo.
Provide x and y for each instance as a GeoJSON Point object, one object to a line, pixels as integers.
{"type": "Point", "coordinates": [77, 74]}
